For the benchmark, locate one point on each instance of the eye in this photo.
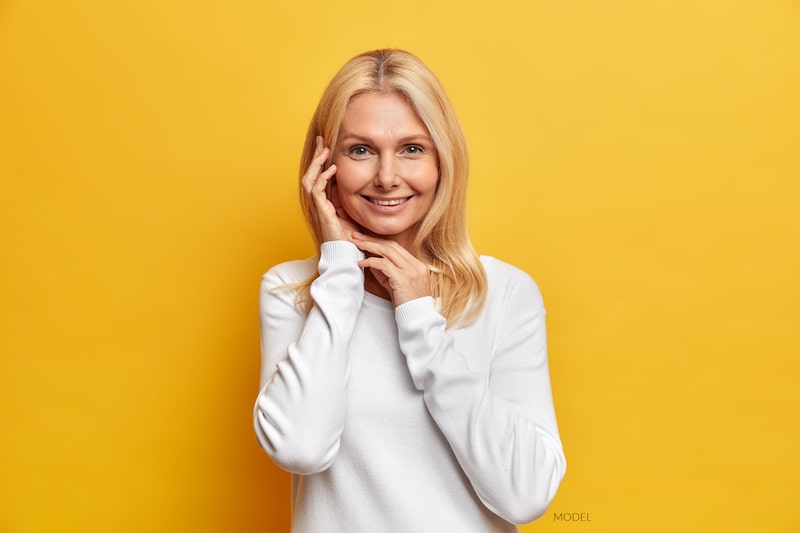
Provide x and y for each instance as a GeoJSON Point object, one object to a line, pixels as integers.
{"type": "Point", "coordinates": [414, 149]}
{"type": "Point", "coordinates": [359, 151]}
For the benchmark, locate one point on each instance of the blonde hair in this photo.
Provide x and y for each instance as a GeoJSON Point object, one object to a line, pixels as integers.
{"type": "Point", "coordinates": [458, 279]}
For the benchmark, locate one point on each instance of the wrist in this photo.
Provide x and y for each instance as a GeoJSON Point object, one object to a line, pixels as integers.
{"type": "Point", "coordinates": [400, 299]}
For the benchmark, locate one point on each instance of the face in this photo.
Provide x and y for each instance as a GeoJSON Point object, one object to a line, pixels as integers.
{"type": "Point", "coordinates": [386, 166]}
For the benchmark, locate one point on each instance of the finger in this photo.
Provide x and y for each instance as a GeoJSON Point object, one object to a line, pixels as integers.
{"type": "Point", "coordinates": [380, 264]}
{"type": "Point", "coordinates": [403, 284]}
{"type": "Point", "coordinates": [319, 146]}
{"type": "Point", "coordinates": [319, 190]}
{"type": "Point", "coordinates": [385, 248]}
{"type": "Point", "coordinates": [313, 171]}
{"type": "Point", "coordinates": [321, 181]}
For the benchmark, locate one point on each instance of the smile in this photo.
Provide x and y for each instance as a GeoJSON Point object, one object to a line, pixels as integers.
{"type": "Point", "coordinates": [391, 202]}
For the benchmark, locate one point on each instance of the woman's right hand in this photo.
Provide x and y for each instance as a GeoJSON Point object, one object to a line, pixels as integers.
{"type": "Point", "coordinates": [327, 216]}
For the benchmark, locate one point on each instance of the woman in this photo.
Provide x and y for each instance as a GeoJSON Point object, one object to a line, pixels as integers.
{"type": "Point", "coordinates": [404, 379]}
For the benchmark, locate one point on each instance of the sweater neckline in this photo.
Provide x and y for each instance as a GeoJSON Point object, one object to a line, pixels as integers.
{"type": "Point", "coordinates": [376, 301]}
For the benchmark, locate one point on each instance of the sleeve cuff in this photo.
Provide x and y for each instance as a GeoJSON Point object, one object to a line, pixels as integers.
{"type": "Point", "coordinates": [411, 313]}
{"type": "Point", "coordinates": [340, 252]}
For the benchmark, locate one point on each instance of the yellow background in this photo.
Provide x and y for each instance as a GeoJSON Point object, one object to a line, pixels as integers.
{"type": "Point", "coordinates": [639, 159]}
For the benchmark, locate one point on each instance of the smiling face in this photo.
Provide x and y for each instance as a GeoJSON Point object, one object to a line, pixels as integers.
{"type": "Point", "coordinates": [386, 166]}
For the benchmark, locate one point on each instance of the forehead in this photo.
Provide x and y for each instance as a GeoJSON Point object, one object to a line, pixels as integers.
{"type": "Point", "coordinates": [381, 113]}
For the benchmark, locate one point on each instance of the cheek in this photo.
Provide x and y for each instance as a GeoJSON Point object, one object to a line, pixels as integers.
{"type": "Point", "coordinates": [347, 186]}
{"type": "Point", "coordinates": [349, 176]}
{"type": "Point", "coordinates": [427, 178]}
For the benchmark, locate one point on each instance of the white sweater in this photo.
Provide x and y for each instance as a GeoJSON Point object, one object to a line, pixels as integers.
{"type": "Point", "coordinates": [390, 421]}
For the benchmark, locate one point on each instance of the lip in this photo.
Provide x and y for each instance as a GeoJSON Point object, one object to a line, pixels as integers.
{"type": "Point", "coordinates": [387, 207]}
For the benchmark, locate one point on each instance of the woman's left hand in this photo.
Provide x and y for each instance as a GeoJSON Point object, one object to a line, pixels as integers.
{"type": "Point", "coordinates": [404, 276]}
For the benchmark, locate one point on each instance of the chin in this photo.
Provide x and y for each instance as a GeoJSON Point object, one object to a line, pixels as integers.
{"type": "Point", "coordinates": [385, 233]}
{"type": "Point", "coordinates": [393, 232]}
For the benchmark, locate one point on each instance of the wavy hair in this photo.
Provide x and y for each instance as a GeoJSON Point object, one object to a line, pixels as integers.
{"type": "Point", "coordinates": [458, 279]}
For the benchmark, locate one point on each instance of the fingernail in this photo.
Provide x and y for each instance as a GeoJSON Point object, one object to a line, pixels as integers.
{"type": "Point", "coordinates": [357, 235]}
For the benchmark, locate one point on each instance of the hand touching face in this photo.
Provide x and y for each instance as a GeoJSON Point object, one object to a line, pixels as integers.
{"type": "Point", "coordinates": [401, 276]}
{"type": "Point", "coordinates": [326, 213]}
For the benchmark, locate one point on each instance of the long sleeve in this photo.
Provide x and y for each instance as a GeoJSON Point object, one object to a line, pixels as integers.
{"type": "Point", "coordinates": [300, 410]}
{"type": "Point", "coordinates": [499, 419]}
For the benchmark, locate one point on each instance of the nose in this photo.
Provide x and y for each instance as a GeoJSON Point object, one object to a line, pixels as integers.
{"type": "Point", "coordinates": [386, 176]}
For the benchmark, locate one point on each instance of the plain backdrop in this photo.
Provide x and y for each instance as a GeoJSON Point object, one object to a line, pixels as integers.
{"type": "Point", "coordinates": [639, 159]}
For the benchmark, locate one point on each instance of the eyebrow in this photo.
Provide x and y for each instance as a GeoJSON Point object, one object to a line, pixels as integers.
{"type": "Point", "coordinates": [366, 140]}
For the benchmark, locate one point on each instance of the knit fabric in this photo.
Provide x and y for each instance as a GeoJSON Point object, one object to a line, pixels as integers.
{"type": "Point", "coordinates": [389, 420]}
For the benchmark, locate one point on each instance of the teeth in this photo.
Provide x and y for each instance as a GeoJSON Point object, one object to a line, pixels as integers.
{"type": "Point", "coordinates": [387, 202]}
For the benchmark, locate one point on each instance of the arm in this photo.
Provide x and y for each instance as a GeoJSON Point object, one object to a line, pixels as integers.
{"type": "Point", "coordinates": [501, 426]}
{"type": "Point", "coordinates": [299, 413]}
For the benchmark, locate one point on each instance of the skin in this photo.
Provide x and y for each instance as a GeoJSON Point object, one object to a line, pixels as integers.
{"type": "Point", "coordinates": [384, 155]}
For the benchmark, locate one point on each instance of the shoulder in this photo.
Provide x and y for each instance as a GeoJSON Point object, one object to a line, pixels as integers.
{"type": "Point", "coordinates": [508, 282]}
{"type": "Point", "coordinates": [288, 273]}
